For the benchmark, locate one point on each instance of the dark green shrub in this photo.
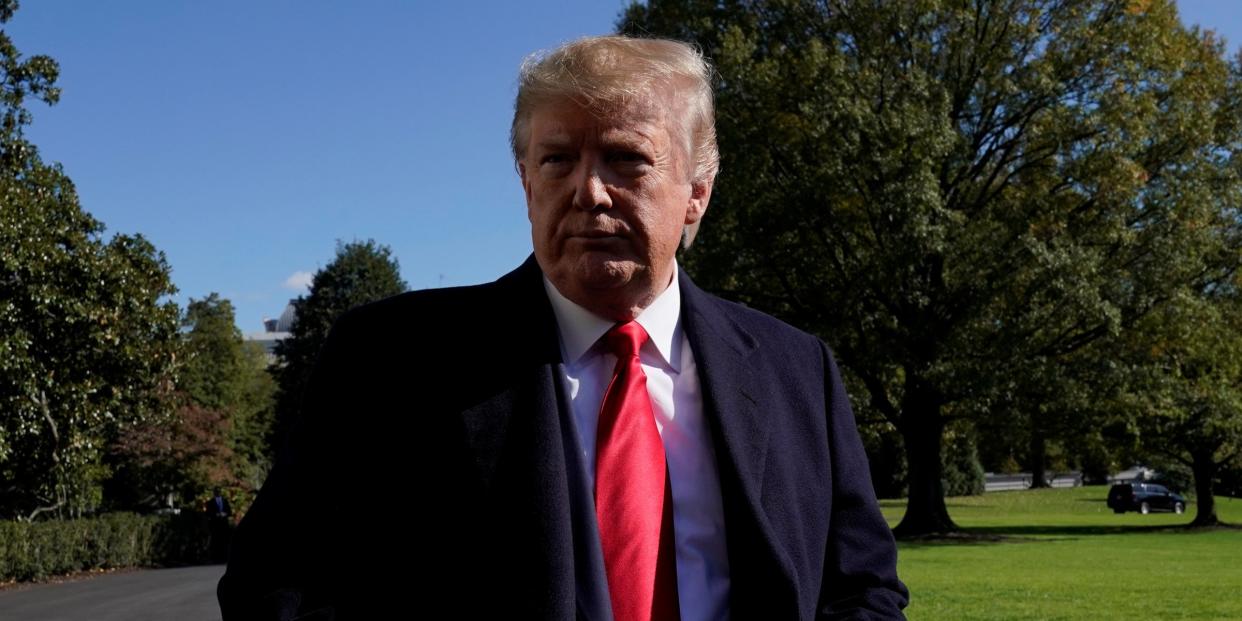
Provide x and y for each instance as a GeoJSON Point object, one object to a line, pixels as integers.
{"type": "Point", "coordinates": [35, 551]}
{"type": "Point", "coordinates": [961, 473]}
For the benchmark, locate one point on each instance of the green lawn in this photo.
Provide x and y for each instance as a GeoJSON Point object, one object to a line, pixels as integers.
{"type": "Point", "coordinates": [1067, 556]}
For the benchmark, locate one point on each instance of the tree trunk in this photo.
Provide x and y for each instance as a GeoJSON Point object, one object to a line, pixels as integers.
{"type": "Point", "coordinates": [923, 428]}
{"type": "Point", "coordinates": [1038, 457]}
{"type": "Point", "coordinates": [1204, 469]}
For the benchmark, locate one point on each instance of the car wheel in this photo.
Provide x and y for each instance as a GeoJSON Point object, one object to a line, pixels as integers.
{"type": "Point", "coordinates": [1179, 508]}
{"type": "Point", "coordinates": [1119, 510]}
{"type": "Point", "coordinates": [1144, 508]}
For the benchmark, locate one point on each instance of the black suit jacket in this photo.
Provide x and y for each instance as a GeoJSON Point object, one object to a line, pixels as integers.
{"type": "Point", "coordinates": [432, 439]}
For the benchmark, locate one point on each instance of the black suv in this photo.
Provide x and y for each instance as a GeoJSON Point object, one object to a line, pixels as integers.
{"type": "Point", "coordinates": [1144, 498]}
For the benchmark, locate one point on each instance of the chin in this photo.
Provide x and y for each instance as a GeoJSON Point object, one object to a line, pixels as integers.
{"type": "Point", "coordinates": [606, 272]}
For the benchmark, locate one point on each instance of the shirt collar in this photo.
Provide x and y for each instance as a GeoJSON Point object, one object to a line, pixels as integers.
{"type": "Point", "coordinates": [580, 329]}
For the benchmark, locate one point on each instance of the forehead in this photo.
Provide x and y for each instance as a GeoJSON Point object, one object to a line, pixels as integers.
{"type": "Point", "coordinates": [563, 120]}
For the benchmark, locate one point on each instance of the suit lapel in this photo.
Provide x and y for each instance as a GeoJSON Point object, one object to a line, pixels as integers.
{"type": "Point", "coordinates": [761, 572]}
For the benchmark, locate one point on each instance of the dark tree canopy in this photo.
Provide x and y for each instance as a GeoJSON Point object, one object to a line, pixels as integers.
{"type": "Point", "coordinates": [958, 196]}
{"type": "Point", "coordinates": [361, 272]}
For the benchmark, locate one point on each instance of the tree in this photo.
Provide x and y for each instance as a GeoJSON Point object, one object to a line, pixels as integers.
{"type": "Point", "coordinates": [957, 196]}
{"type": "Point", "coordinates": [214, 434]}
{"type": "Point", "coordinates": [173, 458]}
{"type": "Point", "coordinates": [86, 345]}
{"type": "Point", "coordinates": [223, 372]}
{"type": "Point", "coordinates": [214, 359]}
{"type": "Point", "coordinates": [1060, 413]}
{"type": "Point", "coordinates": [1189, 394]}
{"type": "Point", "coordinates": [361, 272]}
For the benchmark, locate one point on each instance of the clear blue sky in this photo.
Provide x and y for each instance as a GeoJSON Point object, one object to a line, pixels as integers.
{"type": "Point", "coordinates": [245, 138]}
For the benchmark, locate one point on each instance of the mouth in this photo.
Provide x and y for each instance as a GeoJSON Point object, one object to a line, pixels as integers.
{"type": "Point", "coordinates": [598, 235]}
{"type": "Point", "coordinates": [611, 244]}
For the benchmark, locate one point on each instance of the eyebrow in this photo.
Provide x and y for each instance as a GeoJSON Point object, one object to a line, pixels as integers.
{"type": "Point", "coordinates": [628, 138]}
{"type": "Point", "coordinates": [555, 140]}
{"type": "Point", "coordinates": [610, 139]}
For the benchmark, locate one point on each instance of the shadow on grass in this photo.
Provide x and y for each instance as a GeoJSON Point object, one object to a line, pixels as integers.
{"type": "Point", "coordinates": [981, 535]}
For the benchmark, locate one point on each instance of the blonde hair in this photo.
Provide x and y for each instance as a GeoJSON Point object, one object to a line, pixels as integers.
{"type": "Point", "coordinates": [605, 74]}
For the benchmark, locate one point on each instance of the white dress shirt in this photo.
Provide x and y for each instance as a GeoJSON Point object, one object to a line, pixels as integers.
{"type": "Point", "coordinates": [673, 384]}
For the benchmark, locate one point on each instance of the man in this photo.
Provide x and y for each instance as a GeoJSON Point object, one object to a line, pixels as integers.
{"type": "Point", "coordinates": [591, 436]}
{"type": "Point", "coordinates": [218, 515]}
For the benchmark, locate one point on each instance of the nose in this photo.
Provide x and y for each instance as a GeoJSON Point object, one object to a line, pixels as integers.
{"type": "Point", "coordinates": [590, 192]}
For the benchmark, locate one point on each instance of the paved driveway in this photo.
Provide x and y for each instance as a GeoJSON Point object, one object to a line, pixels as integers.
{"type": "Point", "coordinates": [182, 594]}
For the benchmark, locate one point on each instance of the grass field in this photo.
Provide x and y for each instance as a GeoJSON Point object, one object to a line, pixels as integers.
{"type": "Point", "coordinates": [1065, 555]}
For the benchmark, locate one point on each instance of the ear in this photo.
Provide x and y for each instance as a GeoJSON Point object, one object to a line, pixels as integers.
{"type": "Point", "coordinates": [700, 194]}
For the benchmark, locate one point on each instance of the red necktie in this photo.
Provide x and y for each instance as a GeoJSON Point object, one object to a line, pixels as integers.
{"type": "Point", "coordinates": [633, 499]}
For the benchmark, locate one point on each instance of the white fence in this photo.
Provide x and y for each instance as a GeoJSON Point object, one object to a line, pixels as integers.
{"type": "Point", "coordinates": [1022, 480]}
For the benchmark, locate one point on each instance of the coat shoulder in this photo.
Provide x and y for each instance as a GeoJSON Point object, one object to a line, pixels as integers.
{"type": "Point", "coordinates": [763, 331]}
{"type": "Point", "coordinates": [423, 305]}
{"type": "Point", "coordinates": [436, 315]}
{"type": "Point", "coordinates": [453, 327]}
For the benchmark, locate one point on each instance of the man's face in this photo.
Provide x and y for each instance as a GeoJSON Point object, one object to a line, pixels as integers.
{"type": "Point", "coordinates": [607, 200]}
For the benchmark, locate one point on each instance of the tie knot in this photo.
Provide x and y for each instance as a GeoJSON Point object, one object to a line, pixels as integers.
{"type": "Point", "coordinates": [625, 339]}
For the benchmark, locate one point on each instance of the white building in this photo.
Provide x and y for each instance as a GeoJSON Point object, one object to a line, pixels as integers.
{"type": "Point", "coordinates": [274, 331]}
